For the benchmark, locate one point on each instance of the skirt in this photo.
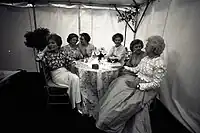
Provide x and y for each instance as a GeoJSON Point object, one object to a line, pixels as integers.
{"type": "Point", "coordinates": [122, 106]}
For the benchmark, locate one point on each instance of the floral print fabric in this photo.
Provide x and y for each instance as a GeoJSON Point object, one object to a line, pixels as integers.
{"type": "Point", "coordinates": [151, 71]}
{"type": "Point", "coordinates": [73, 53]}
{"type": "Point", "coordinates": [93, 84]}
{"type": "Point", "coordinates": [55, 60]}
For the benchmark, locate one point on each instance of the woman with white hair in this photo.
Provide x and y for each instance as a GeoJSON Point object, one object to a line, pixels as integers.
{"type": "Point", "coordinates": [125, 109]}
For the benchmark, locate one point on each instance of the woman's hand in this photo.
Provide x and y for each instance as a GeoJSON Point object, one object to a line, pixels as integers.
{"type": "Point", "coordinates": [73, 63]}
{"type": "Point", "coordinates": [111, 57]}
{"type": "Point", "coordinates": [40, 55]}
{"type": "Point", "coordinates": [127, 68]}
{"type": "Point", "coordinates": [45, 49]}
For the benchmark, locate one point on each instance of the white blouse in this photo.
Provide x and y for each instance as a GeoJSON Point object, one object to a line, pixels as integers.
{"type": "Point", "coordinates": [119, 52]}
{"type": "Point", "coordinates": [151, 71]}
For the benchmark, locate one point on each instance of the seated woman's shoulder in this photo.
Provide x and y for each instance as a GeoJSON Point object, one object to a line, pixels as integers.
{"type": "Point", "coordinates": [124, 48]}
{"type": "Point", "coordinates": [159, 60]}
{"type": "Point", "coordinates": [65, 48]}
{"type": "Point", "coordinates": [79, 45]}
{"type": "Point", "coordinates": [92, 45]}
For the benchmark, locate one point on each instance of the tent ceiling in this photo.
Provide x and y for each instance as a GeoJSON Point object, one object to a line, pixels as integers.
{"type": "Point", "coordinates": [106, 2]}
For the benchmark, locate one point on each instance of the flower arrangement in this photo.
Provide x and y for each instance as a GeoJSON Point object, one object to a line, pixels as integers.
{"type": "Point", "coordinates": [130, 14]}
{"type": "Point", "coordinates": [37, 38]}
{"type": "Point", "coordinates": [100, 53]}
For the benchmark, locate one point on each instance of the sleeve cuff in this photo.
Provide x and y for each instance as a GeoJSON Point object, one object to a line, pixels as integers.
{"type": "Point", "coordinates": [142, 86]}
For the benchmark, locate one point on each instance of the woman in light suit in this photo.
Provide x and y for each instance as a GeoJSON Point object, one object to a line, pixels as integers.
{"type": "Point", "coordinates": [124, 107]}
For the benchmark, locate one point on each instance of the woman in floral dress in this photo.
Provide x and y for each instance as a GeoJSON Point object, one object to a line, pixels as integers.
{"type": "Point", "coordinates": [72, 49]}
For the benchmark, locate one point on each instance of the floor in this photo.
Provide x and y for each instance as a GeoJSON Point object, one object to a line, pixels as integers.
{"type": "Point", "coordinates": [24, 99]}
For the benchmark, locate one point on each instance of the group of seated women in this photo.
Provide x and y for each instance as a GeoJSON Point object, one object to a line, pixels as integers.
{"type": "Point", "coordinates": [124, 105]}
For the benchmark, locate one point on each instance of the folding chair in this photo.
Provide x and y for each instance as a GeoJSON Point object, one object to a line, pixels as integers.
{"type": "Point", "coordinates": [56, 94]}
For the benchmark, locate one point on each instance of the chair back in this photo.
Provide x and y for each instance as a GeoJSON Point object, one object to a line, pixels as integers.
{"type": "Point", "coordinates": [46, 72]}
{"type": "Point", "coordinates": [56, 94]}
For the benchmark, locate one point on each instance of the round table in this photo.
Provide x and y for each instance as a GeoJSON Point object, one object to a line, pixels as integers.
{"type": "Point", "coordinates": [94, 82]}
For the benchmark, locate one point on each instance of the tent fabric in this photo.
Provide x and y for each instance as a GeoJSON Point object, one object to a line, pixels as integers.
{"type": "Point", "coordinates": [178, 22]}
{"type": "Point", "coordinates": [63, 21]}
{"type": "Point", "coordinates": [15, 22]}
{"type": "Point", "coordinates": [91, 2]}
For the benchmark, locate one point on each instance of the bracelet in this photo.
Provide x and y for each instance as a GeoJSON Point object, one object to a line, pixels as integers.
{"type": "Point", "coordinates": [138, 86]}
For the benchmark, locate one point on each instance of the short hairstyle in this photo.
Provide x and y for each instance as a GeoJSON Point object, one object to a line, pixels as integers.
{"type": "Point", "coordinates": [70, 36]}
{"type": "Point", "coordinates": [134, 42]}
{"type": "Point", "coordinates": [158, 44]}
{"type": "Point", "coordinates": [117, 35]}
{"type": "Point", "coordinates": [56, 38]}
{"type": "Point", "coordinates": [86, 36]}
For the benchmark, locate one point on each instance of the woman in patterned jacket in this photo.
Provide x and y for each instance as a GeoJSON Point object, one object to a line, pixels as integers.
{"type": "Point", "coordinates": [57, 61]}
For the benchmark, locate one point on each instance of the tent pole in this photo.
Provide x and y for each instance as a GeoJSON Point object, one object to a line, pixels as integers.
{"type": "Point", "coordinates": [135, 3]}
{"type": "Point", "coordinates": [124, 19]}
{"type": "Point", "coordinates": [79, 19]}
{"type": "Point", "coordinates": [125, 34]}
{"type": "Point", "coordinates": [135, 26]}
{"type": "Point", "coordinates": [142, 15]}
{"type": "Point", "coordinates": [34, 16]}
{"type": "Point", "coordinates": [35, 26]}
{"type": "Point", "coordinates": [87, 3]}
